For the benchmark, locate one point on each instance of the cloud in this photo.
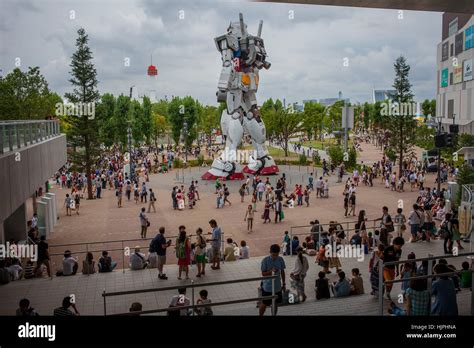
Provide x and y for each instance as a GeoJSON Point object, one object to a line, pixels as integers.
{"type": "Point", "coordinates": [307, 45]}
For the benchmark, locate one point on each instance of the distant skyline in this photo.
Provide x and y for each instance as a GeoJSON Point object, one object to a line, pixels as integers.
{"type": "Point", "coordinates": [315, 51]}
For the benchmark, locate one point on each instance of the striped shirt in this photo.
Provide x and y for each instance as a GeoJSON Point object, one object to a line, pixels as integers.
{"type": "Point", "coordinates": [62, 312]}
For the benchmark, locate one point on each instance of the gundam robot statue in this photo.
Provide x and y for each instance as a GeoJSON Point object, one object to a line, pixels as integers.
{"type": "Point", "coordinates": [243, 55]}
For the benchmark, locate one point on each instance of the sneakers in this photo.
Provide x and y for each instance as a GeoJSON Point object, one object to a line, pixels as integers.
{"type": "Point", "coordinates": [162, 276]}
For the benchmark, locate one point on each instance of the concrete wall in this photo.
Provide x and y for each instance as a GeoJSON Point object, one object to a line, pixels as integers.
{"type": "Point", "coordinates": [20, 179]}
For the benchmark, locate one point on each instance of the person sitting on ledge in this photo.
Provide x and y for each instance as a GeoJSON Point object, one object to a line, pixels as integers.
{"type": "Point", "coordinates": [342, 287]}
{"type": "Point", "coordinates": [137, 260]}
{"type": "Point", "coordinates": [105, 263]}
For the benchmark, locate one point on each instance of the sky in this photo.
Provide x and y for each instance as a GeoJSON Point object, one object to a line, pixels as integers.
{"type": "Point", "coordinates": [315, 51]}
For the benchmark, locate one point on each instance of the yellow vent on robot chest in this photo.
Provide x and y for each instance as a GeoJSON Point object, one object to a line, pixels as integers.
{"type": "Point", "coordinates": [245, 79]}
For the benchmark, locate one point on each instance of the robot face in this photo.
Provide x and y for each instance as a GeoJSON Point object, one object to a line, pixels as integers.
{"type": "Point", "coordinates": [235, 30]}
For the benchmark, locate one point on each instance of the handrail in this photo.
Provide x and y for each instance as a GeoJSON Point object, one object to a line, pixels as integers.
{"type": "Point", "coordinates": [212, 304]}
{"type": "Point", "coordinates": [425, 277]}
{"type": "Point", "coordinates": [188, 286]}
{"type": "Point", "coordinates": [427, 258]}
{"type": "Point", "coordinates": [273, 297]}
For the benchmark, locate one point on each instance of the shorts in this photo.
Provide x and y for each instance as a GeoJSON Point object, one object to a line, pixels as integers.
{"type": "Point", "coordinates": [161, 260]}
{"type": "Point", "coordinates": [215, 252]}
{"type": "Point", "coordinates": [201, 258]}
{"type": "Point", "coordinates": [269, 302]}
{"type": "Point", "coordinates": [414, 229]}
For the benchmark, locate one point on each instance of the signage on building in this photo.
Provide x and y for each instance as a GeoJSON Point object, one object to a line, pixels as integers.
{"type": "Point", "coordinates": [469, 37]}
{"type": "Point", "coordinates": [458, 43]}
{"type": "Point", "coordinates": [457, 78]}
{"type": "Point", "coordinates": [467, 75]}
{"type": "Point", "coordinates": [444, 77]}
{"type": "Point", "coordinates": [445, 51]}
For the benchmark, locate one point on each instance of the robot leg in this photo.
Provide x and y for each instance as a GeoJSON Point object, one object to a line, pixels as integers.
{"type": "Point", "coordinates": [261, 162]}
{"type": "Point", "coordinates": [226, 165]}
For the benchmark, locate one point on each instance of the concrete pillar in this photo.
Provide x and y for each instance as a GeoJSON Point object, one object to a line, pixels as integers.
{"type": "Point", "coordinates": [55, 207]}
{"type": "Point", "coordinates": [44, 220]}
{"type": "Point", "coordinates": [49, 210]}
{"type": "Point", "coordinates": [15, 225]}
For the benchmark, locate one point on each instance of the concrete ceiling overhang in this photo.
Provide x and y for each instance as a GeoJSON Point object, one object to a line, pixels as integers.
{"type": "Point", "coordinates": [456, 6]}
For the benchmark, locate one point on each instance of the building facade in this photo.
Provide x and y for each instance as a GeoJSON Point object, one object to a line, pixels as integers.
{"type": "Point", "coordinates": [455, 84]}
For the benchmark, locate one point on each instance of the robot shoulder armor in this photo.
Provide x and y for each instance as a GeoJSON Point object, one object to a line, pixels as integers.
{"type": "Point", "coordinates": [227, 41]}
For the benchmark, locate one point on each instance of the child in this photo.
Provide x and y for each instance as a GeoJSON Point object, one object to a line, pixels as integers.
{"type": "Point", "coordinates": [466, 276]}
{"type": "Point", "coordinates": [203, 300]}
{"type": "Point", "coordinates": [322, 286]}
{"type": "Point", "coordinates": [376, 238]}
{"type": "Point", "coordinates": [406, 272]}
{"type": "Point", "coordinates": [322, 259]}
{"type": "Point", "coordinates": [370, 241]}
{"type": "Point", "coordinates": [306, 196]}
{"type": "Point", "coordinates": [357, 284]}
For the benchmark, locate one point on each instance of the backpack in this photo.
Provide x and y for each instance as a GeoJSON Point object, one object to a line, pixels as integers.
{"type": "Point", "coordinates": [202, 245]}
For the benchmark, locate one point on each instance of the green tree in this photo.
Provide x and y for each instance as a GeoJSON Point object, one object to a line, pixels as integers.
{"type": "Point", "coordinates": [25, 95]}
{"type": "Point", "coordinates": [120, 120]}
{"type": "Point", "coordinates": [147, 120]}
{"type": "Point", "coordinates": [209, 121]}
{"type": "Point", "coordinates": [313, 117]}
{"type": "Point", "coordinates": [180, 110]}
{"type": "Point", "coordinates": [136, 117]}
{"type": "Point", "coordinates": [83, 134]}
{"type": "Point", "coordinates": [105, 119]}
{"type": "Point", "coordinates": [401, 126]}
{"type": "Point", "coordinates": [465, 176]}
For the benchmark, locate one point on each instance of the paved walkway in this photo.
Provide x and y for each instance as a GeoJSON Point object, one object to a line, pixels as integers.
{"type": "Point", "coordinates": [46, 294]}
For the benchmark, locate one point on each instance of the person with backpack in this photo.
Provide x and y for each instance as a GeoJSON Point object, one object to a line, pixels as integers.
{"type": "Point", "coordinates": [159, 245]}
{"type": "Point", "coordinates": [144, 223]}
{"type": "Point", "coordinates": [137, 260]}
{"type": "Point", "coordinates": [445, 232]}
{"type": "Point", "coordinates": [226, 195]}
{"type": "Point", "coordinates": [203, 300]}
{"type": "Point", "coordinates": [299, 274]}
{"type": "Point", "coordinates": [177, 301]}
{"type": "Point", "coordinates": [183, 252]}
{"type": "Point", "coordinates": [200, 253]}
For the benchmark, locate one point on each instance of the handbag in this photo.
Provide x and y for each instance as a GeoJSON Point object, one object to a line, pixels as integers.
{"type": "Point", "coordinates": [282, 215]}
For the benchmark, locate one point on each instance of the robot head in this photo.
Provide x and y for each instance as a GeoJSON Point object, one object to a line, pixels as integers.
{"type": "Point", "coordinates": [234, 29]}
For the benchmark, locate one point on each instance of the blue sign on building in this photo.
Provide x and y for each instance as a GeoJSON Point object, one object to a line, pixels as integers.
{"type": "Point", "coordinates": [469, 37]}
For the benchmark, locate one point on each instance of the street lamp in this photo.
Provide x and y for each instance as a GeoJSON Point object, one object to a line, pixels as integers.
{"type": "Point", "coordinates": [132, 164]}
{"type": "Point", "coordinates": [439, 119]}
{"type": "Point", "coordinates": [185, 133]}
{"type": "Point", "coordinates": [131, 89]}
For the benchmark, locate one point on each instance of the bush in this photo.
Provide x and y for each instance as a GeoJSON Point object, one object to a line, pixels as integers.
{"type": "Point", "coordinates": [200, 160]}
{"type": "Point", "coordinates": [335, 154]}
{"type": "Point", "coordinates": [178, 163]}
{"type": "Point", "coordinates": [316, 158]}
{"type": "Point", "coordinates": [352, 162]}
{"type": "Point", "coordinates": [302, 160]}
{"type": "Point", "coordinates": [391, 155]}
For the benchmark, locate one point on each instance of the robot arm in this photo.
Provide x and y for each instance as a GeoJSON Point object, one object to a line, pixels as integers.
{"type": "Point", "coordinates": [227, 72]}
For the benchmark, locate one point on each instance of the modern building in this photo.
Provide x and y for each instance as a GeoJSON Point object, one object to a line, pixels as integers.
{"type": "Point", "coordinates": [380, 95]}
{"type": "Point", "coordinates": [455, 85]}
{"type": "Point", "coordinates": [328, 101]}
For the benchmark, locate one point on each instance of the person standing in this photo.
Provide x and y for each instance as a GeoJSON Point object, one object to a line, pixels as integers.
{"type": "Point", "coordinates": [249, 218]}
{"type": "Point", "coordinates": [77, 200]}
{"type": "Point", "coordinates": [152, 201]}
{"type": "Point", "coordinates": [390, 254]}
{"type": "Point", "coordinates": [215, 244]}
{"type": "Point", "coordinates": [183, 252]}
{"type": "Point", "coordinates": [128, 190]}
{"type": "Point", "coordinates": [144, 223]}
{"type": "Point", "coordinates": [272, 264]}
{"type": "Point", "coordinates": [443, 290]}
{"type": "Point", "coordinates": [299, 273]}
{"type": "Point", "coordinates": [414, 220]}
{"type": "Point", "coordinates": [159, 245]}
{"type": "Point", "coordinates": [68, 204]}
{"type": "Point", "coordinates": [226, 195]}
{"type": "Point", "coordinates": [200, 253]}
{"type": "Point", "coordinates": [386, 226]}
{"type": "Point", "coordinates": [278, 210]}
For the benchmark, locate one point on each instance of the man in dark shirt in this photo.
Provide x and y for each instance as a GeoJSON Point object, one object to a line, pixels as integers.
{"type": "Point", "coordinates": [159, 245]}
{"type": "Point", "coordinates": [390, 254]}
{"type": "Point", "coordinates": [43, 255]}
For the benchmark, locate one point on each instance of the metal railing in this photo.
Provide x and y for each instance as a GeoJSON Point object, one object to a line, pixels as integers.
{"type": "Point", "coordinates": [193, 305]}
{"type": "Point", "coordinates": [15, 135]}
{"type": "Point", "coordinates": [124, 244]}
{"type": "Point", "coordinates": [429, 276]}
{"type": "Point", "coordinates": [292, 233]}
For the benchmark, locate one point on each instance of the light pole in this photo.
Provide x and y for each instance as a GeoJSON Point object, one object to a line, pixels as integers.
{"type": "Point", "coordinates": [131, 89]}
{"type": "Point", "coordinates": [439, 118]}
{"type": "Point", "coordinates": [185, 132]}
{"type": "Point", "coordinates": [132, 164]}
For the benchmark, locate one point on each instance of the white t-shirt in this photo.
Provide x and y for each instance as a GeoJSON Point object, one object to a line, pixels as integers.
{"type": "Point", "coordinates": [180, 300]}
{"type": "Point", "coordinates": [136, 262]}
{"type": "Point", "coordinates": [68, 265]}
{"type": "Point", "coordinates": [244, 252]}
{"type": "Point", "coordinates": [14, 271]}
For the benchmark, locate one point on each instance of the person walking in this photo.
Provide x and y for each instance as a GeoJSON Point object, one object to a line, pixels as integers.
{"type": "Point", "coordinates": [144, 223]}
{"type": "Point", "coordinates": [183, 252]}
{"type": "Point", "coordinates": [278, 211]}
{"type": "Point", "coordinates": [152, 201]}
{"type": "Point", "coordinates": [272, 265]}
